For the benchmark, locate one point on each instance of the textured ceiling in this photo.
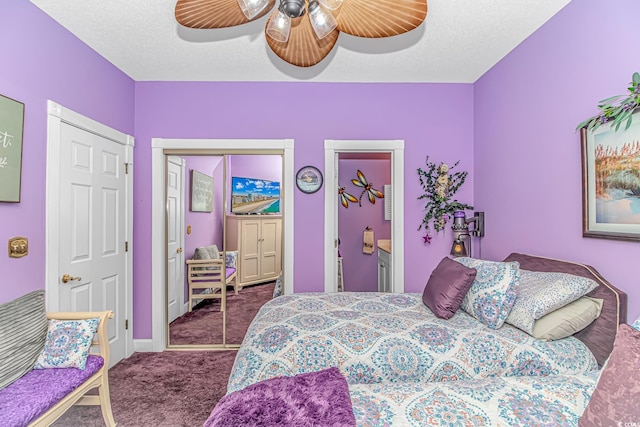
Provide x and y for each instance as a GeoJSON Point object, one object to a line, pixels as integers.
{"type": "Point", "coordinates": [458, 42]}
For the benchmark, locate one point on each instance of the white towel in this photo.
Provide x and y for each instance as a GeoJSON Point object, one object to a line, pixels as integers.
{"type": "Point", "coordinates": [367, 242]}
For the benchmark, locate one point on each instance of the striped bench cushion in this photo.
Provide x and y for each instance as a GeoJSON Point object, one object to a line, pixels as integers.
{"type": "Point", "coordinates": [23, 331]}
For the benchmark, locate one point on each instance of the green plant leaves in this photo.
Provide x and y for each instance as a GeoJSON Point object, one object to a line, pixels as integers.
{"type": "Point", "coordinates": [616, 109]}
{"type": "Point", "coordinates": [439, 207]}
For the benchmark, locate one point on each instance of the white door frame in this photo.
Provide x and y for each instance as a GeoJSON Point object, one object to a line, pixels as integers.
{"type": "Point", "coordinates": [158, 215]}
{"type": "Point", "coordinates": [57, 115]}
{"type": "Point", "coordinates": [396, 148]}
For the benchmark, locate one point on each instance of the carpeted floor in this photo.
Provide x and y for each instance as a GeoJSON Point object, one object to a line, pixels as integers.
{"type": "Point", "coordinates": [203, 325]}
{"type": "Point", "coordinates": [172, 388]}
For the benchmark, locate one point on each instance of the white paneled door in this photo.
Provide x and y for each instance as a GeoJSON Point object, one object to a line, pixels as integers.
{"type": "Point", "coordinates": [175, 237]}
{"type": "Point", "coordinates": [92, 242]}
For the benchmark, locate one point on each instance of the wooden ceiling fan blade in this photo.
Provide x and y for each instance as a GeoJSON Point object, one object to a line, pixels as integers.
{"type": "Point", "coordinates": [380, 18]}
{"type": "Point", "coordinates": [206, 14]}
{"type": "Point", "coordinates": [303, 48]}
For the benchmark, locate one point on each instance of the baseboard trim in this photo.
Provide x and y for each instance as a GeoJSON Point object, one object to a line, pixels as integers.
{"type": "Point", "coordinates": [143, 345]}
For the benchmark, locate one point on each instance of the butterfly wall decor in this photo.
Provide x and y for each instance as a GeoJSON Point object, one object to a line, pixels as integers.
{"type": "Point", "coordinates": [345, 197]}
{"type": "Point", "coordinates": [371, 192]}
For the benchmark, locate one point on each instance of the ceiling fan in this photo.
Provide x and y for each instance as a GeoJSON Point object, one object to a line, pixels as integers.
{"type": "Point", "coordinates": [303, 32]}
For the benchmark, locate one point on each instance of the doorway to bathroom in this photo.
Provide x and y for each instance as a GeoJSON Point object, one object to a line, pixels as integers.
{"type": "Point", "coordinates": [364, 226]}
{"type": "Point", "coordinates": [394, 271]}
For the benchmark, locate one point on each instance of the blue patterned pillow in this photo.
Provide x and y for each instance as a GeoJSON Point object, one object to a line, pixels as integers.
{"type": "Point", "coordinates": [68, 343]}
{"type": "Point", "coordinates": [231, 259]}
{"type": "Point", "coordinates": [636, 324]}
{"type": "Point", "coordinates": [277, 290]}
{"type": "Point", "coordinates": [540, 293]}
{"type": "Point", "coordinates": [493, 291]}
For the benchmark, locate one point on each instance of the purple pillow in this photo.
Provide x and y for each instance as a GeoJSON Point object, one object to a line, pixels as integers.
{"type": "Point", "coordinates": [447, 287]}
{"type": "Point", "coordinates": [615, 401]}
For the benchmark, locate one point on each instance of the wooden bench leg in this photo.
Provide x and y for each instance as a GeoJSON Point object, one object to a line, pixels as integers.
{"type": "Point", "coordinates": [223, 309]}
{"type": "Point", "coordinates": [105, 402]}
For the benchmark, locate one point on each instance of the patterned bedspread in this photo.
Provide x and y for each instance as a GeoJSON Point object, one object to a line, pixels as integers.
{"type": "Point", "coordinates": [553, 401]}
{"type": "Point", "coordinates": [388, 338]}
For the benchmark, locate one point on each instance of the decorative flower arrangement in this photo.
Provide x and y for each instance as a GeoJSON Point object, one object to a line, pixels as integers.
{"type": "Point", "coordinates": [439, 187]}
{"type": "Point", "coordinates": [617, 109]}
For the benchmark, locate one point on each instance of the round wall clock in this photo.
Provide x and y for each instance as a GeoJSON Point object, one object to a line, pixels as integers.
{"type": "Point", "coordinates": [309, 179]}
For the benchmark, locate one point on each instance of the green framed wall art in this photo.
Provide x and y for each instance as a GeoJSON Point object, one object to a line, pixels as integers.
{"type": "Point", "coordinates": [11, 131]}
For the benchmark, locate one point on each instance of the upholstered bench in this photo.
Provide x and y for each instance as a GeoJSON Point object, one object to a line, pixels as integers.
{"type": "Point", "coordinates": [37, 397]}
{"type": "Point", "coordinates": [209, 275]}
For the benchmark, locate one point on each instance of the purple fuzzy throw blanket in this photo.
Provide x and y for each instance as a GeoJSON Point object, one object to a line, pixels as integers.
{"type": "Point", "coordinates": [312, 399]}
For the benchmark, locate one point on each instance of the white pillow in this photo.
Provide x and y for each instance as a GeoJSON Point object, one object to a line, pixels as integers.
{"type": "Point", "coordinates": [207, 252]}
{"type": "Point", "coordinates": [541, 293]}
{"type": "Point", "coordinates": [567, 320]}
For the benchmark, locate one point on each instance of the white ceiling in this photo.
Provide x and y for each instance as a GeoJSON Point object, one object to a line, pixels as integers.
{"type": "Point", "coordinates": [458, 42]}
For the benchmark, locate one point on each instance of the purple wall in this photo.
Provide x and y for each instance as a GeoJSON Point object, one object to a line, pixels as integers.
{"type": "Point", "coordinates": [527, 152]}
{"type": "Point", "coordinates": [432, 119]}
{"type": "Point", "coordinates": [513, 131]}
{"type": "Point", "coordinates": [361, 270]}
{"type": "Point", "coordinates": [206, 228]}
{"type": "Point", "coordinates": [42, 61]}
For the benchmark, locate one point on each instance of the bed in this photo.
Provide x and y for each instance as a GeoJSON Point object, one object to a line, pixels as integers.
{"type": "Point", "coordinates": [555, 400]}
{"type": "Point", "coordinates": [377, 337]}
{"type": "Point", "coordinates": [402, 363]}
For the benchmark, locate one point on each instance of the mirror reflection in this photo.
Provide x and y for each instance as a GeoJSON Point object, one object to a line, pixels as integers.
{"type": "Point", "coordinates": [224, 244]}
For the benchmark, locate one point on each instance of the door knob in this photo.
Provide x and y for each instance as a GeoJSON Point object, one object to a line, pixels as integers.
{"type": "Point", "coordinates": [66, 278]}
{"type": "Point", "coordinates": [179, 250]}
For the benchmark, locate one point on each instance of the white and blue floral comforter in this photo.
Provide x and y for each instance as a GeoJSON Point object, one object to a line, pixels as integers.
{"type": "Point", "coordinates": [552, 401]}
{"type": "Point", "coordinates": [391, 338]}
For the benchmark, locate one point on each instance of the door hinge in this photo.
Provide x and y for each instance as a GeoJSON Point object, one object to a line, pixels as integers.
{"type": "Point", "coordinates": [126, 246]}
{"type": "Point", "coordinates": [126, 324]}
{"type": "Point", "coordinates": [126, 168]}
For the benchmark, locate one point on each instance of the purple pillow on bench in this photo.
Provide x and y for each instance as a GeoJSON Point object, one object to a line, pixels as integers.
{"type": "Point", "coordinates": [447, 287]}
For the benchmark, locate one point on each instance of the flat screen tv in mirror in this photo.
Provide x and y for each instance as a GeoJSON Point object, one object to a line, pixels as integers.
{"type": "Point", "coordinates": [254, 196]}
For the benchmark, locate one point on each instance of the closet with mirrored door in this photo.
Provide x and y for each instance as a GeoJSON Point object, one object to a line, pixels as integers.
{"type": "Point", "coordinates": [224, 243]}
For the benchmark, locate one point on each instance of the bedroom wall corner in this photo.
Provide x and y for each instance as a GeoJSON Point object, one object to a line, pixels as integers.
{"type": "Point", "coordinates": [527, 151]}
{"type": "Point", "coordinates": [43, 61]}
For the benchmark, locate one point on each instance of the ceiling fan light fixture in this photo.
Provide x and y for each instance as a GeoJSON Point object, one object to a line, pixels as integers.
{"type": "Point", "coordinates": [331, 4]}
{"type": "Point", "coordinates": [279, 26]}
{"type": "Point", "coordinates": [311, 40]}
{"type": "Point", "coordinates": [322, 20]}
{"type": "Point", "coordinates": [252, 8]}
{"type": "Point", "coordinates": [292, 8]}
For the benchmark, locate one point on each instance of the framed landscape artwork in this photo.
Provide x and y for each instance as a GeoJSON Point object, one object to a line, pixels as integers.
{"type": "Point", "coordinates": [611, 182]}
{"type": "Point", "coordinates": [11, 128]}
